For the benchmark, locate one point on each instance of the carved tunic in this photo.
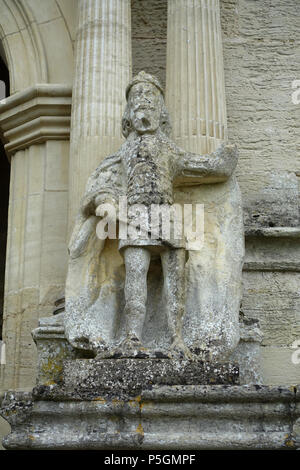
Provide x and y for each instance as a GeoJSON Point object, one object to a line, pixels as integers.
{"type": "Point", "coordinates": [149, 176]}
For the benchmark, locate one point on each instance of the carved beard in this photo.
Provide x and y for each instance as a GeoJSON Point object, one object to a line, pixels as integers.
{"type": "Point", "coordinates": [145, 120]}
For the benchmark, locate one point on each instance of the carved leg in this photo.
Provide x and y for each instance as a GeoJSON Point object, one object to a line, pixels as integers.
{"type": "Point", "coordinates": [137, 261]}
{"type": "Point", "coordinates": [173, 263]}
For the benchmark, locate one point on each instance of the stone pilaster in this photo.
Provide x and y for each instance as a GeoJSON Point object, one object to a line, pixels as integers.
{"type": "Point", "coordinates": [35, 125]}
{"type": "Point", "coordinates": [195, 91]}
{"type": "Point", "coordinates": [102, 72]}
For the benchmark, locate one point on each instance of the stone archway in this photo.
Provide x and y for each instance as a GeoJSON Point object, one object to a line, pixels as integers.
{"type": "Point", "coordinates": [37, 39]}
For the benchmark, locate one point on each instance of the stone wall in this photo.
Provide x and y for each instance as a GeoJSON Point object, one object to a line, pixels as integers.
{"type": "Point", "coordinates": [261, 58]}
{"type": "Point", "coordinates": [149, 37]}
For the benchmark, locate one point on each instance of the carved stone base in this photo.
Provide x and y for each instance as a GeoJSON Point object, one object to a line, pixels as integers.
{"type": "Point", "coordinates": [123, 379]}
{"type": "Point", "coordinates": [145, 403]}
{"type": "Point", "coordinates": [167, 417]}
{"type": "Point", "coordinates": [54, 349]}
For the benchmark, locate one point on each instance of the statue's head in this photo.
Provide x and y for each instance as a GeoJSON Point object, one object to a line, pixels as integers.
{"type": "Point", "coordinates": [145, 111]}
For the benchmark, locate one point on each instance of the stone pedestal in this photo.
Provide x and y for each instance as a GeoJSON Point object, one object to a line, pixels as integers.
{"type": "Point", "coordinates": [144, 403]}
{"type": "Point", "coordinates": [163, 417]}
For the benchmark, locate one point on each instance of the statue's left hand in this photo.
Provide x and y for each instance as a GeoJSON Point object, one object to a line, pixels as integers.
{"type": "Point", "coordinates": [81, 236]}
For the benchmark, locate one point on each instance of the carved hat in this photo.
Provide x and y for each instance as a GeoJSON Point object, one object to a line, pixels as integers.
{"type": "Point", "coordinates": [144, 77]}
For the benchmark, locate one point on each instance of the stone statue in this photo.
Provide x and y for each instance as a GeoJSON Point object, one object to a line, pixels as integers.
{"type": "Point", "coordinates": [105, 314]}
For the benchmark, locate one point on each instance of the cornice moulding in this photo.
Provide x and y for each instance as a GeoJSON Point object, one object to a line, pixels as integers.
{"type": "Point", "coordinates": [35, 115]}
{"type": "Point", "coordinates": [273, 232]}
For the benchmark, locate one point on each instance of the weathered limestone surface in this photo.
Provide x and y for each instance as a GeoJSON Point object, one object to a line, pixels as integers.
{"type": "Point", "coordinates": [55, 357]}
{"type": "Point", "coordinates": [36, 43]}
{"type": "Point", "coordinates": [4, 194]}
{"type": "Point", "coordinates": [248, 352]}
{"type": "Point", "coordinates": [52, 349]}
{"type": "Point", "coordinates": [261, 59]}
{"type": "Point", "coordinates": [4, 430]}
{"type": "Point", "coordinates": [271, 34]}
{"type": "Point", "coordinates": [261, 40]}
{"type": "Point", "coordinates": [126, 378]}
{"type": "Point", "coordinates": [34, 116]}
{"type": "Point", "coordinates": [271, 295]}
{"type": "Point", "coordinates": [181, 417]}
{"type": "Point", "coordinates": [149, 37]}
{"type": "Point", "coordinates": [195, 89]}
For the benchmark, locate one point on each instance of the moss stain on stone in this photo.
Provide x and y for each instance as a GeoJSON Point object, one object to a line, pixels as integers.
{"type": "Point", "coordinates": [289, 442]}
{"type": "Point", "coordinates": [51, 370]}
{"type": "Point", "coordinates": [140, 430]}
{"type": "Point", "coordinates": [100, 400]}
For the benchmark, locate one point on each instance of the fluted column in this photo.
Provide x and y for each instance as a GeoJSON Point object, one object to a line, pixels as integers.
{"type": "Point", "coordinates": [102, 72]}
{"type": "Point", "coordinates": [195, 91]}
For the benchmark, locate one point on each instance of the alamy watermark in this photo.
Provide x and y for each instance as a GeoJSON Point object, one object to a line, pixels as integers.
{"type": "Point", "coordinates": [171, 223]}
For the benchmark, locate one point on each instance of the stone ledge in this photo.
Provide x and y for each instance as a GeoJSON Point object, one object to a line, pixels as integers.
{"type": "Point", "coordinates": [272, 266]}
{"type": "Point", "coordinates": [273, 232]}
{"type": "Point", "coordinates": [36, 115]}
{"type": "Point", "coordinates": [176, 417]}
{"type": "Point", "coordinates": [273, 249]}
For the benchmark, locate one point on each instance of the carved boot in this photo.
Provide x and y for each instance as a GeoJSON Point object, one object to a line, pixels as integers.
{"type": "Point", "coordinates": [179, 350]}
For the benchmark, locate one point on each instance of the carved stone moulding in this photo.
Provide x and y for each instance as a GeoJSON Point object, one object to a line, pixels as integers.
{"type": "Point", "coordinates": [35, 115]}
{"type": "Point", "coordinates": [164, 417]}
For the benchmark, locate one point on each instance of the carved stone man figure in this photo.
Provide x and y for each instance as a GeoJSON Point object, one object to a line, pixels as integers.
{"type": "Point", "coordinates": [145, 170]}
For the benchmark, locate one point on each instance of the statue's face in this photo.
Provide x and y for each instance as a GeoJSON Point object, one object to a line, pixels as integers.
{"type": "Point", "coordinates": [145, 107]}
